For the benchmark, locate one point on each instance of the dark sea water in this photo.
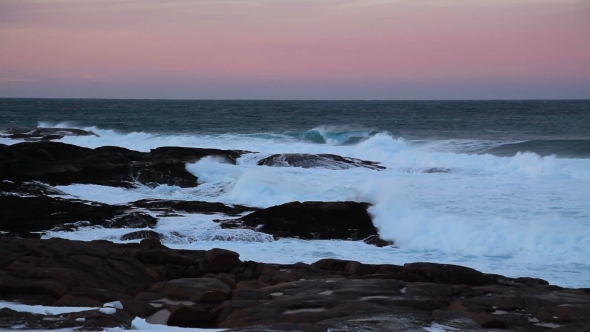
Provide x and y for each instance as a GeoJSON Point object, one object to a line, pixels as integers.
{"type": "Point", "coordinates": [560, 127]}
{"type": "Point", "coordinates": [510, 194]}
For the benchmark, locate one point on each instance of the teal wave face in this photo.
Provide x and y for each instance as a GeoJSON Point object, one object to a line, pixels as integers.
{"type": "Point", "coordinates": [334, 135]}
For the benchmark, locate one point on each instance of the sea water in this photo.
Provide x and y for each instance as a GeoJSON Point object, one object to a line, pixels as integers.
{"type": "Point", "coordinates": [499, 186]}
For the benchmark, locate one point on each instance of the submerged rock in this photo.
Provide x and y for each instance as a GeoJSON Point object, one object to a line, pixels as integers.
{"type": "Point", "coordinates": [328, 161]}
{"type": "Point", "coordinates": [175, 206]}
{"type": "Point", "coordinates": [35, 134]}
{"type": "Point", "coordinates": [141, 235]}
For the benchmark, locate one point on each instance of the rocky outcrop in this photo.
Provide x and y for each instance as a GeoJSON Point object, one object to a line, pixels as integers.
{"type": "Point", "coordinates": [307, 220]}
{"type": "Point", "coordinates": [18, 218]}
{"type": "Point", "coordinates": [313, 220]}
{"type": "Point", "coordinates": [58, 163]}
{"type": "Point", "coordinates": [216, 289]}
{"type": "Point", "coordinates": [327, 161]}
{"type": "Point", "coordinates": [26, 216]}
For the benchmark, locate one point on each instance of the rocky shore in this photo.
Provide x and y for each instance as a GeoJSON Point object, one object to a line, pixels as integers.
{"type": "Point", "coordinates": [116, 283]}
{"type": "Point", "coordinates": [215, 288]}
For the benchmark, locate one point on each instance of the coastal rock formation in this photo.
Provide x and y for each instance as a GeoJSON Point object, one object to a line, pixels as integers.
{"type": "Point", "coordinates": [327, 161]}
{"type": "Point", "coordinates": [58, 163]}
{"type": "Point", "coordinates": [312, 220]}
{"type": "Point", "coordinates": [307, 220]}
{"type": "Point", "coordinates": [216, 289]}
{"type": "Point", "coordinates": [18, 218]}
{"type": "Point", "coordinates": [26, 216]}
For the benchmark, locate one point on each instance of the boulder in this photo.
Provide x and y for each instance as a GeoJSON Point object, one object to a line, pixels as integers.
{"type": "Point", "coordinates": [221, 260]}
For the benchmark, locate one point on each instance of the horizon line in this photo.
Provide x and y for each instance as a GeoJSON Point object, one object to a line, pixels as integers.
{"type": "Point", "coordinates": [328, 100]}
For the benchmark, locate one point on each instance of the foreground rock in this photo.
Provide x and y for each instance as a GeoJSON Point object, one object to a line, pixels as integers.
{"type": "Point", "coordinates": [216, 289]}
{"type": "Point", "coordinates": [313, 221]}
{"type": "Point", "coordinates": [327, 161]}
{"type": "Point", "coordinates": [63, 164]}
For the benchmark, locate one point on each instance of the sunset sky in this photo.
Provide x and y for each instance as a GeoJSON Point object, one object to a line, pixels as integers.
{"type": "Point", "coordinates": [295, 49]}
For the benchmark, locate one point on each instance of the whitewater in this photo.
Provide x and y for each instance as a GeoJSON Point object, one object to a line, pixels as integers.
{"type": "Point", "coordinates": [441, 200]}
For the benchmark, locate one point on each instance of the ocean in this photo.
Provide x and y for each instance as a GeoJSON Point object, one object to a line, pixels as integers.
{"type": "Point", "coordinates": [499, 186]}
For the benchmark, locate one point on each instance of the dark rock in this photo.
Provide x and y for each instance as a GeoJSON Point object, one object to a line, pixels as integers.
{"type": "Point", "coordinates": [74, 267]}
{"type": "Point", "coordinates": [132, 220]}
{"type": "Point", "coordinates": [51, 137]}
{"type": "Point", "coordinates": [32, 134]}
{"type": "Point", "coordinates": [150, 243]}
{"type": "Point", "coordinates": [141, 235]}
{"type": "Point", "coordinates": [191, 317]}
{"type": "Point", "coordinates": [377, 241]}
{"type": "Point", "coordinates": [189, 288]}
{"type": "Point", "coordinates": [250, 284]}
{"type": "Point", "coordinates": [19, 217]}
{"type": "Point", "coordinates": [312, 220]}
{"type": "Point", "coordinates": [172, 206]}
{"type": "Point", "coordinates": [75, 301]}
{"type": "Point", "coordinates": [98, 294]}
{"type": "Point", "coordinates": [221, 260]}
{"type": "Point", "coordinates": [58, 163]}
{"type": "Point", "coordinates": [27, 189]}
{"type": "Point", "coordinates": [532, 281]}
{"type": "Point", "coordinates": [455, 320]}
{"type": "Point", "coordinates": [213, 296]}
{"type": "Point", "coordinates": [446, 274]}
{"type": "Point", "coordinates": [328, 161]}
{"type": "Point", "coordinates": [92, 320]}
{"type": "Point", "coordinates": [329, 294]}
{"type": "Point", "coordinates": [437, 170]}
{"type": "Point", "coordinates": [137, 308]}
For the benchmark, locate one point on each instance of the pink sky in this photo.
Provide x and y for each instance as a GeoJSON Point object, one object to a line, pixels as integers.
{"type": "Point", "coordinates": [295, 49]}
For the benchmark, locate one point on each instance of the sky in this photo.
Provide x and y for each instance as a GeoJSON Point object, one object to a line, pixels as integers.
{"type": "Point", "coordinates": [295, 49]}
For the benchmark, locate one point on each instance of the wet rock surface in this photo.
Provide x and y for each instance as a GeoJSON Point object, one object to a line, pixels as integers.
{"type": "Point", "coordinates": [216, 289]}
{"type": "Point", "coordinates": [169, 207]}
{"type": "Point", "coordinates": [327, 161]}
{"type": "Point", "coordinates": [312, 220]}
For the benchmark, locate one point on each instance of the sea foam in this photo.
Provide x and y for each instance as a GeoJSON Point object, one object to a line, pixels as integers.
{"type": "Point", "coordinates": [519, 215]}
